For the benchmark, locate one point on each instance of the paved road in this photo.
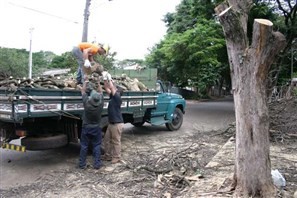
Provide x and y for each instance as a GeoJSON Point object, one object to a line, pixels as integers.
{"type": "Point", "coordinates": [209, 115]}
{"type": "Point", "coordinates": [23, 168]}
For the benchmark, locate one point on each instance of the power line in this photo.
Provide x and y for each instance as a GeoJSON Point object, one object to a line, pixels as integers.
{"type": "Point", "coordinates": [45, 13]}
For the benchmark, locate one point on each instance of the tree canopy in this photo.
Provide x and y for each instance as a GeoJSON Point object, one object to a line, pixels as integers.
{"type": "Point", "coordinates": [15, 62]}
{"type": "Point", "coordinates": [193, 52]}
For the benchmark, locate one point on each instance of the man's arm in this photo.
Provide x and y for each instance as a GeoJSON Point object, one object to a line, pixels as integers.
{"type": "Point", "coordinates": [84, 88]}
{"type": "Point", "coordinates": [91, 58]}
{"type": "Point", "coordinates": [108, 84]}
{"type": "Point", "coordinates": [99, 89]}
{"type": "Point", "coordinates": [86, 54]}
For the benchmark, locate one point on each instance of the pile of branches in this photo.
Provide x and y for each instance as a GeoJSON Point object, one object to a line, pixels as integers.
{"type": "Point", "coordinates": [68, 82]}
{"type": "Point", "coordinates": [174, 171]}
{"type": "Point", "coordinates": [283, 120]}
{"type": "Point", "coordinates": [3, 75]}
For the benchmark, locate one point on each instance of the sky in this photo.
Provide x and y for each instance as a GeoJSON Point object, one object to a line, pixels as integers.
{"type": "Point", "coordinates": [130, 27]}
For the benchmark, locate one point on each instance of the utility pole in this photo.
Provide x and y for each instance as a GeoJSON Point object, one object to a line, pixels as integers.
{"type": "Point", "coordinates": [30, 53]}
{"type": "Point", "coordinates": [86, 21]}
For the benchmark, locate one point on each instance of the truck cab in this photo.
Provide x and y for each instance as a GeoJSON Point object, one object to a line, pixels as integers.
{"type": "Point", "coordinates": [170, 108]}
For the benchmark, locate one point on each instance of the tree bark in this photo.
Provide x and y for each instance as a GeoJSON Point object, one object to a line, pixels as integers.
{"type": "Point", "coordinates": [249, 67]}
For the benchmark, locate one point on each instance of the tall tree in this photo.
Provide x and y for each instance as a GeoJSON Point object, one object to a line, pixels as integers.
{"type": "Point", "coordinates": [193, 52]}
{"type": "Point", "coordinates": [249, 65]}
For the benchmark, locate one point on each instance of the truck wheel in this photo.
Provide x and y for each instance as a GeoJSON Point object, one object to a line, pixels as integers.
{"type": "Point", "coordinates": [177, 120]}
{"type": "Point", "coordinates": [138, 124]}
{"type": "Point", "coordinates": [45, 142]}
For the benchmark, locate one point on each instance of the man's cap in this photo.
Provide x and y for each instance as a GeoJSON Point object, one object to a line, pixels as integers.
{"type": "Point", "coordinates": [95, 98]}
{"type": "Point", "coordinates": [105, 46]}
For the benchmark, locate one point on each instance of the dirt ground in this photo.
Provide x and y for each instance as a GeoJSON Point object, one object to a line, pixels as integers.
{"type": "Point", "coordinates": [162, 166]}
{"type": "Point", "coordinates": [283, 137]}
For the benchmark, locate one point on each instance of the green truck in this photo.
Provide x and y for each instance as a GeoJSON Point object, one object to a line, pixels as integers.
{"type": "Point", "coordinates": [44, 118]}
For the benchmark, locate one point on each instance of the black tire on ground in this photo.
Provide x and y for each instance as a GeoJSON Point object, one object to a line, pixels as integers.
{"type": "Point", "coordinates": [45, 142]}
{"type": "Point", "coordinates": [138, 124]}
{"type": "Point", "coordinates": [177, 120]}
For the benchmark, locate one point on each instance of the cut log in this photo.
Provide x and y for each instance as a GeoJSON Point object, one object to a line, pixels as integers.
{"type": "Point", "coordinates": [65, 82]}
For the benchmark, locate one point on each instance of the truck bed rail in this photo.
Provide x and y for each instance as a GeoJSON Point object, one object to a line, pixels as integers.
{"type": "Point", "coordinates": [30, 103]}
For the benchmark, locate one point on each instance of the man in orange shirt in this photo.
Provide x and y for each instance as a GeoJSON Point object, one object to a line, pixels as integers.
{"type": "Point", "coordinates": [84, 53]}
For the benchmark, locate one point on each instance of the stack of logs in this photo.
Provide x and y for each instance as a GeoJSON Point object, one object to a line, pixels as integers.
{"type": "Point", "coordinates": [68, 82]}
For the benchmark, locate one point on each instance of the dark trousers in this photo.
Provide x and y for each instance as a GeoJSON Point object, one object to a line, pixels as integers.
{"type": "Point", "coordinates": [91, 136]}
{"type": "Point", "coordinates": [77, 53]}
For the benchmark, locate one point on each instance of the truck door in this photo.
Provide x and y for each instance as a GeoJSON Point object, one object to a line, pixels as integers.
{"type": "Point", "coordinates": [162, 100]}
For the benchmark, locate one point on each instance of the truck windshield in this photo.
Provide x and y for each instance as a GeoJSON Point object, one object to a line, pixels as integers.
{"type": "Point", "coordinates": [162, 87]}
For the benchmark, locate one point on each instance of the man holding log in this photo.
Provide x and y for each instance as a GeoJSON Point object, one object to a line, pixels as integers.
{"type": "Point", "coordinates": [91, 132]}
{"type": "Point", "coordinates": [112, 138]}
{"type": "Point", "coordinates": [84, 54]}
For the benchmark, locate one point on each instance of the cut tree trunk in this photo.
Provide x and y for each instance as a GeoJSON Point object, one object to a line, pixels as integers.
{"type": "Point", "coordinates": [249, 71]}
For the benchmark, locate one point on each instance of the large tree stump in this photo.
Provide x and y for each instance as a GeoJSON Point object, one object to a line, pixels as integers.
{"type": "Point", "coordinates": [249, 72]}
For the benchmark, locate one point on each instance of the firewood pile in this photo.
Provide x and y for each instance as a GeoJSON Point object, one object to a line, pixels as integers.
{"type": "Point", "coordinates": [69, 82]}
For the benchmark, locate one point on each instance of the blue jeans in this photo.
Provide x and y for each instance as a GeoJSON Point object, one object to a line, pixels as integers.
{"type": "Point", "coordinates": [93, 136]}
{"type": "Point", "coordinates": [77, 53]}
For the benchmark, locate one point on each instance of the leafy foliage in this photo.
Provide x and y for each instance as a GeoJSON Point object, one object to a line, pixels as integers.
{"type": "Point", "coordinates": [188, 14]}
{"type": "Point", "coordinates": [41, 61]}
{"type": "Point", "coordinates": [107, 61]}
{"type": "Point", "coordinates": [66, 60]}
{"type": "Point", "coordinates": [193, 52]}
{"type": "Point", "coordinates": [14, 62]}
{"type": "Point", "coordinates": [283, 14]}
{"type": "Point", "coordinates": [260, 10]}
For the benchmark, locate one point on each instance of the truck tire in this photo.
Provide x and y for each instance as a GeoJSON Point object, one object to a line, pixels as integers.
{"type": "Point", "coordinates": [177, 120]}
{"type": "Point", "coordinates": [45, 142]}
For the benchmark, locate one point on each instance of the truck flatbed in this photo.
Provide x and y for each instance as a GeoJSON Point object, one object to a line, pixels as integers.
{"type": "Point", "coordinates": [51, 118]}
